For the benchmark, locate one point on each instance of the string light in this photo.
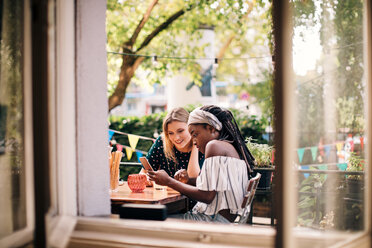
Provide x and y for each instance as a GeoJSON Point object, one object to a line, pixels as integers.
{"type": "Point", "coordinates": [216, 60]}
{"type": "Point", "coordinates": [155, 60]}
{"type": "Point", "coordinates": [214, 67]}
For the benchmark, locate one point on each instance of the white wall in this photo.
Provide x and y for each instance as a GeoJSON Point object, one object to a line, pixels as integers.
{"type": "Point", "coordinates": [177, 94]}
{"type": "Point", "coordinates": [92, 108]}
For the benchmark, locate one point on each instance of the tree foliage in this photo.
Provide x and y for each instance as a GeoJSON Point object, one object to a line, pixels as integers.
{"type": "Point", "coordinates": [170, 28]}
{"type": "Point", "coordinates": [349, 30]}
{"type": "Point", "coordinates": [341, 34]}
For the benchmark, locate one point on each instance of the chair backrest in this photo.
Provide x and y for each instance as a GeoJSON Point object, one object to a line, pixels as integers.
{"type": "Point", "coordinates": [248, 198]}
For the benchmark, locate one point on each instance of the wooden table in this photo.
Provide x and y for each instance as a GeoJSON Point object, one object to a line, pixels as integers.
{"type": "Point", "coordinates": [174, 201]}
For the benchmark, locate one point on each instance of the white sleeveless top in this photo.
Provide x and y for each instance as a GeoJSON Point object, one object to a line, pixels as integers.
{"type": "Point", "coordinates": [228, 177]}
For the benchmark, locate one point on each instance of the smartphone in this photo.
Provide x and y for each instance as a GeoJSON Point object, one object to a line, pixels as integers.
{"type": "Point", "coordinates": [146, 164]}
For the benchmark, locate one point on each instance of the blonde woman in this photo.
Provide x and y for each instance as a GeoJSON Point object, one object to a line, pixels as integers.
{"type": "Point", "coordinates": [173, 150]}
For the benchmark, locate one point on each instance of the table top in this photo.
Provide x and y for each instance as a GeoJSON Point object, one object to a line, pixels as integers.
{"type": "Point", "coordinates": [149, 196]}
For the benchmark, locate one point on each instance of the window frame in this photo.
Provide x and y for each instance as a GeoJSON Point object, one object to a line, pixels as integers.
{"type": "Point", "coordinates": [90, 230]}
{"type": "Point", "coordinates": [25, 235]}
{"type": "Point", "coordinates": [108, 231]}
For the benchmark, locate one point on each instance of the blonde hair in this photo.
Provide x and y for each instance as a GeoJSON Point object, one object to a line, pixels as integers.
{"type": "Point", "coordinates": [176, 114]}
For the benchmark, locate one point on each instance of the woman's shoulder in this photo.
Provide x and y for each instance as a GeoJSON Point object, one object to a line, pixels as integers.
{"type": "Point", "coordinates": [223, 160]}
{"type": "Point", "coordinates": [156, 148]}
{"type": "Point", "coordinates": [159, 140]}
{"type": "Point", "coordinates": [158, 143]}
{"type": "Point", "coordinates": [219, 148]}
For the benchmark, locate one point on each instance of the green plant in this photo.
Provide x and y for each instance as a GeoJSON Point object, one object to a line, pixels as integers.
{"type": "Point", "coordinates": [308, 213]}
{"type": "Point", "coordinates": [355, 163]}
{"type": "Point", "coordinates": [261, 152]}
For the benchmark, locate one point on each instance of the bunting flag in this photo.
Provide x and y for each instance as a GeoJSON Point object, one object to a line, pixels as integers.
{"type": "Point", "coordinates": [265, 136]}
{"type": "Point", "coordinates": [272, 156]}
{"type": "Point", "coordinates": [111, 133]}
{"type": "Point", "coordinates": [323, 167]}
{"type": "Point", "coordinates": [352, 145]}
{"type": "Point", "coordinates": [342, 166]}
{"type": "Point", "coordinates": [339, 146]}
{"type": "Point", "coordinates": [306, 175]}
{"type": "Point", "coordinates": [314, 151]}
{"type": "Point", "coordinates": [327, 150]}
{"type": "Point", "coordinates": [133, 139]}
{"type": "Point", "coordinates": [300, 152]}
{"type": "Point", "coordinates": [361, 142]}
{"type": "Point", "coordinates": [320, 148]}
{"type": "Point", "coordinates": [119, 147]}
{"type": "Point", "coordinates": [129, 152]}
{"type": "Point", "coordinates": [139, 154]}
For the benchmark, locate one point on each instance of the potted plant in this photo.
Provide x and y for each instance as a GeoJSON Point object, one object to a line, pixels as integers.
{"type": "Point", "coordinates": [263, 161]}
{"type": "Point", "coordinates": [355, 183]}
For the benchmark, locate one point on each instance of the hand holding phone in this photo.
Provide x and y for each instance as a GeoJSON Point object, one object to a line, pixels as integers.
{"type": "Point", "coordinates": [145, 163]}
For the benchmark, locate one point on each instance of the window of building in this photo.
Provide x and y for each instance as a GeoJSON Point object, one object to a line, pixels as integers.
{"type": "Point", "coordinates": [331, 96]}
{"type": "Point", "coordinates": [313, 227]}
{"type": "Point", "coordinates": [12, 116]}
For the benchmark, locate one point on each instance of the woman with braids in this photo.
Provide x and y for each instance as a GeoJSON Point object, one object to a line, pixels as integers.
{"type": "Point", "coordinates": [223, 180]}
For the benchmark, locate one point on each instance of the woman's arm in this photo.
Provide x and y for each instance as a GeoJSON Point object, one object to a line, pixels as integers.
{"type": "Point", "coordinates": [162, 178]}
{"type": "Point", "coordinates": [193, 168]}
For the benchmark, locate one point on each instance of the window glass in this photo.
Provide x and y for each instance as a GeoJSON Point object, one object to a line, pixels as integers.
{"type": "Point", "coordinates": [12, 178]}
{"type": "Point", "coordinates": [331, 94]}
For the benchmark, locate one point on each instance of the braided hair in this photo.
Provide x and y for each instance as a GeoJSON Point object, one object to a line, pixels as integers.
{"type": "Point", "coordinates": [230, 132]}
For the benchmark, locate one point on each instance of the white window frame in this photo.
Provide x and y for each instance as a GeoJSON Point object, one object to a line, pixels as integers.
{"type": "Point", "coordinates": [71, 111]}
{"type": "Point", "coordinates": [24, 235]}
{"type": "Point", "coordinates": [157, 234]}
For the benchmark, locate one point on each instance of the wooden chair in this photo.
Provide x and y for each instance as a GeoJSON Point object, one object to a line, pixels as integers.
{"type": "Point", "coordinates": [248, 198]}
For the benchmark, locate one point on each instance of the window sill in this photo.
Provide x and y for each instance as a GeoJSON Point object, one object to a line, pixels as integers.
{"type": "Point", "coordinates": [111, 232]}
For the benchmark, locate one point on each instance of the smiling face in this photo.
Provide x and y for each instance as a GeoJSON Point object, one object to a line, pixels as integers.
{"type": "Point", "coordinates": [179, 135]}
{"type": "Point", "coordinates": [201, 135]}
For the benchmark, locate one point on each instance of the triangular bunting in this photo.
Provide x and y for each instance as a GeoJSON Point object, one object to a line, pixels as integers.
{"type": "Point", "coordinates": [323, 167]}
{"type": "Point", "coordinates": [314, 151]}
{"type": "Point", "coordinates": [119, 147]}
{"type": "Point", "coordinates": [300, 152]}
{"type": "Point", "coordinates": [272, 156]}
{"type": "Point", "coordinates": [361, 142]}
{"type": "Point", "coordinates": [306, 175]}
{"type": "Point", "coordinates": [339, 146]}
{"type": "Point", "coordinates": [342, 166]}
{"type": "Point", "coordinates": [320, 148]}
{"type": "Point", "coordinates": [265, 136]}
{"type": "Point", "coordinates": [133, 139]}
{"type": "Point", "coordinates": [111, 133]}
{"type": "Point", "coordinates": [129, 152]}
{"type": "Point", "coordinates": [327, 150]}
{"type": "Point", "coordinates": [139, 154]}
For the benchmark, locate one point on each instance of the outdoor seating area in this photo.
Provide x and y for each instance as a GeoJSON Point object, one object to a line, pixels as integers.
{"type": "Point", "coordinates": [315, 184]}
{"type": "Point", "coordinates": [173, 201]}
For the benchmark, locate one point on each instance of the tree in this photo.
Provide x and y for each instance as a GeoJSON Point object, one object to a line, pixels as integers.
{"type": "Point", "coordinates": [349, 30]}
{"type": "Point", "coordinates": [166, 28]}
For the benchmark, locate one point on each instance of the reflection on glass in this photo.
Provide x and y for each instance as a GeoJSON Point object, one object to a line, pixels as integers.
{"type": "Point", "coordinates": [12, 190]}
{"type": "Point", "coordinates": [331, 95]}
